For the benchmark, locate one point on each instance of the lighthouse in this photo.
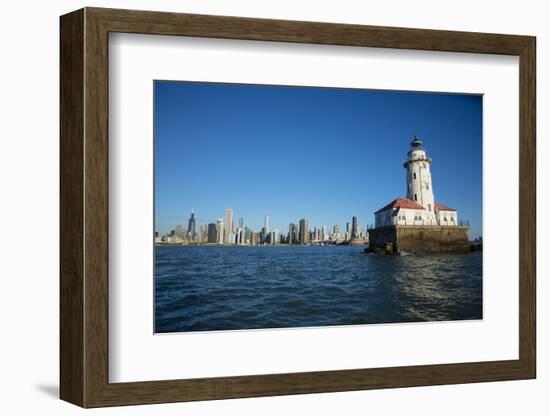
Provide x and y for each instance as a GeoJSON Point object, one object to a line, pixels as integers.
{"type": "Point", "coordinates": [417, 222]}
{"type": "Point", "coordinates": [419, 179]}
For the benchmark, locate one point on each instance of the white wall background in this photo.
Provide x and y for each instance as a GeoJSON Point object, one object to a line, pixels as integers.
{"type": "Point", "coordinates": [29, 158]}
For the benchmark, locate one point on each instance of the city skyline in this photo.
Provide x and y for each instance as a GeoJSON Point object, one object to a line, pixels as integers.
{"type": "Point", "coordinates": [319, 153]}
{"type": "Point", "coordinates": [226, 231]}
{"type": "Point", "coordinates": [185, 219]}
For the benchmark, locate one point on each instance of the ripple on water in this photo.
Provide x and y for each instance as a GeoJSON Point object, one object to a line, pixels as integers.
{"type": "Point", "coordinates": [227, 288]}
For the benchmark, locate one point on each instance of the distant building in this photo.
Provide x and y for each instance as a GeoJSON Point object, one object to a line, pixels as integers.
{"type": "Point", "coordinates": [203, 233]}
{"type": "Point", "coordinates": [354, 228]}
{"type": "Point", "coordinates": [228, 226]}
{"type": "Point", "coordinates": [179, 232]}
{"type": "Point", "coordinates": [239, 236]}
{"type": "Point", "coordinates": [173, 239]}
{"type": "Point", "coordinates": [324, 234]}
{"type": "Point", "coordinates": [274, 237]}
{"type": "Point", "coordinates": [158, 238]}
{"type": "Point", "coordinates": [292, 235]}
{"type": "Point", "coordinates": [221, 232]}
{"type": "Point", "coordinates": [264, 232]}
{"type": "Point", "coordinates": [212, 233]}
{"type": "Point", "coordinates": [303, 233]}
{"type": "Point", "coordinates": [254, 238]}
{"type": "Point", "coordinates": [191, 226]}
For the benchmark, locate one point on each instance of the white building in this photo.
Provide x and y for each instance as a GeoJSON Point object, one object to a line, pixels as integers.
{"type": "Point", "coordinates": [324, 233]}
{"type": "Point", "coordinates": [229, 237]}
{"type": "Point", "coordinates": [419, 207]}
{"type": "Point", "coordinates": [276, 236]}
{"type": "Point", "coordinates": [220, 230]}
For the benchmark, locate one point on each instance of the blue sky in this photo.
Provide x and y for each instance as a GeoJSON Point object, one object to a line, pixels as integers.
{"type": "Point", "coordinates": [324, 154]}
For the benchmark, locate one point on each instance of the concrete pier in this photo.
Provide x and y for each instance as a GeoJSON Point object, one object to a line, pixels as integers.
{"type": "Point", "coordinates": [420, 239]}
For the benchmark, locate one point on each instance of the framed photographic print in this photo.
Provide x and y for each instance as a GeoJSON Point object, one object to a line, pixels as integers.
{"type": "Point", "coordinates": [256, 207]}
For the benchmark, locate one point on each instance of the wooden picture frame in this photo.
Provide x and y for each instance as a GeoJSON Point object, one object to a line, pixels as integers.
{"type": "Point", "coordinates": [84, 207]}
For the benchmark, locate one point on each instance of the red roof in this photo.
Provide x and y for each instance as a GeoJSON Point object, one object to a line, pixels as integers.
{"type": "Point", "coordinates": [401, 203]}
{"type": "Point", "coordinates": [442, 207]}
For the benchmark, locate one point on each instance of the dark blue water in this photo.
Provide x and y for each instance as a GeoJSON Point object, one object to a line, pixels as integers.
{"type": "Point", "coordinates": [208, 288]}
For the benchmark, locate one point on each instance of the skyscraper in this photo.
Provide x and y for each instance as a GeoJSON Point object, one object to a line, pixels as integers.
{"type": "Point", "coordinates": [220, 227]}
{"type": "Point", "coordinates": [179, 231]}
{"type": "Point", "coordinates": [228, 226]}
{"type": "Point", "coordinates": [354, 230]}
{"type": "Point", "coordinates": [254, 238]}
{"type": "Point", "coordinates": [292, 237]}
{"type": "Point", "coordinates": [203, 233]}
{"type": "Point", "coordinates": [191, 226]}
{"type": "Point", "coordinates": [304, 234]}
{"type": "Point", "coordinates": [239, 236]}
{"type": "Point", "coordinates": [355, 227]}
{"type": "Point", "coordinates": [264, 232]}
{"type": "Point", "coordinates": [212, 233]}
{"type": "Point", "coordinates": [324, 233]}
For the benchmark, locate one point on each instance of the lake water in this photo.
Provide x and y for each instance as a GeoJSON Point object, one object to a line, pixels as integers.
{"type": "Point", "coordinates": [208, 288]}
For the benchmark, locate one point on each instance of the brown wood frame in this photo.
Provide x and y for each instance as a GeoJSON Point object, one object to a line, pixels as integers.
{"type": "Point", "coordinates": [84, 207]}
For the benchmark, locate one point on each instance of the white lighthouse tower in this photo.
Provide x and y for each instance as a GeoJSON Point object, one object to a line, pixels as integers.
{"type": "Point", "coordinates": [419, 179]}
{"type": "Point", "coordinates": [417, 223]}
{"type": "Point", "coordinates": [419, 207]}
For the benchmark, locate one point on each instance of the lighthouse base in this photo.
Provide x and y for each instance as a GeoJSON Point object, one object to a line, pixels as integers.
{"type": "Point", "coordinates": [420, 239]}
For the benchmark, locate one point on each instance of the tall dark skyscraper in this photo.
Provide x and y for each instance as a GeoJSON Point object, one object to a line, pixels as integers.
{"type": "Point", "coordinates": [212, 234]}
{"type": "Point", "coordinates": [354, 228]}
{"type": "Point", "coordinates": [191, 225]}
{"type": "Point", "coordinates": [304, 234]}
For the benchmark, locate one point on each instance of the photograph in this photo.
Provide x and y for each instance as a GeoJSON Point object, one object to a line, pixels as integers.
{"type": "Point", "coordinates": [295, 207]}
{"type": "Point", "coordinates": [254, 207]}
